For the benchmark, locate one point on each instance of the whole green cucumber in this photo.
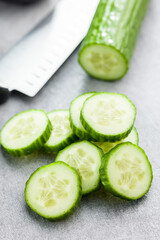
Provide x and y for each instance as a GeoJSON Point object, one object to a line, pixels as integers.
{"type": "Point", "coordinates": [106, 51]}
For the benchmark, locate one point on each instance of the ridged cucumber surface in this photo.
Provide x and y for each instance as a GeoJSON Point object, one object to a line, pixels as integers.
{"type": "Point", "coordinates": [75, 109]}
{"type": "Point", "coordinates": [85, 158]}
{"type": "Point", "coordinates": [126, 171]}
{"type": "Point", "coordinates": [107, 146]}
{"type": "Point", "coordinates": [108, 117]}
{"type": "Point", "coordinates": [53, 191]}
{"type": "Point", "coordinates": [26, 132]}
{"type": "Point", "coordinates": [62, 134]}
{"type": "Point", "coordinates": [106, 51]}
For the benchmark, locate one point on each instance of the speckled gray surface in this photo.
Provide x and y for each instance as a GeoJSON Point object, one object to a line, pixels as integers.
{"type": "Point", "coordinates": [16, 20]}
{"type": "Point", "coordinates": [100, 215]}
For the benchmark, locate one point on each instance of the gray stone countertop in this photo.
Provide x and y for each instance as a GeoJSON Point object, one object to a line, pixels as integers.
{"type": "Point", "coordinates": [99, 215]}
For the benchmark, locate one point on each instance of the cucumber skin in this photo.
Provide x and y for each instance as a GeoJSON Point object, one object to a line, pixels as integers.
{"type": "Point", "coordinates": [105, 178]}
{"type": "Point", "coordinates": [136, 143]}
{"type": "Point", "coordinates": [121, 39]}
{"type": "Point", "coordinates": [81, 135]}
{"type": "Point", "coordinates": [37, 144]}
{"type": "Point", "coordinates": [55, 149]}
{"type": "Point", "coordinates": [75, 204]}
{"type": "Point", "coordinates": [101, 137]}
{"type": "Point", "coordinates": [98, 186]}
{"type": "Point", "coordinates": [78, 132]}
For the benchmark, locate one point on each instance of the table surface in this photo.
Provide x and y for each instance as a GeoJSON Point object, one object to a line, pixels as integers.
{"type": "Point", "coordinates": [99, 215]}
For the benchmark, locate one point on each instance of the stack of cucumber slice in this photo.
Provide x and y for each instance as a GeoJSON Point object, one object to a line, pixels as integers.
{"type": "Point", "coordinates": [97, 141]}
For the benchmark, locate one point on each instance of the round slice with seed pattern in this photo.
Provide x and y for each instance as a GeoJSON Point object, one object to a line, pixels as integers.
{"type": "Point", "coordinates": [53, 191]}
{"type": "Point", "coordinates": [86, 159]}
{"type": "Point", "coordinates": [74, 112]}
{"type": "Point", "coordinates": [107, 146]}
{"type": "Point", "coordinates": [126, 171]}
{"type": "Point", "coordinates": [26, 132]}
{"type": "Point", "coordinates": [62, 134]}
{"type": "Point", "coordinates": [108, 116]}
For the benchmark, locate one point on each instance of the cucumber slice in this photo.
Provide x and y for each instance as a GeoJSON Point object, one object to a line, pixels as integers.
{"type": "Point", "coordinates": [75, 109]}
{"type": "Point", "coordinates": [53, 191]}
{"type": "Point", "coordinates": [107, 146]}
{"type": "Point", "coordinates": [106, 50]}
{"type": "Point", "coordinates": [108, 116]}
{"type": "Point", "coordinates": [86, 159]}
{"type": "Point", "coordinates": [62, 134]}
{"type": "Point", "coordinates": [126, 171]}
{"type": "Point", "coordinates": [26, 132]}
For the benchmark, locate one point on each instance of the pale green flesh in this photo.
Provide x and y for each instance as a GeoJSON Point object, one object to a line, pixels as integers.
{"type": "Point", "coordinates": [86, 159]}
{"type": "Point", "coordinates": [75, 110]}
{"type": "Point", "coordinates": [129, 172]}
{"type": "Point", "coordinates": [108, 113]}
{"type": "Point", "coordinates": [106, 50]}
{"type": "Point", "coordinates": [52, 191]}
{"type": "Point", "coordinates": [60, 127]}
{"type": "Point", "coordinates": [107, 146]}
{"type": "Point", "coordinates": [23, 129]}
{"type": "Point", "coordinates": [103, 62]}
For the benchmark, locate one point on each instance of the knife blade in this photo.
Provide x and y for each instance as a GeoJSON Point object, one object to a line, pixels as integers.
{"type": "Point", "coordinates": [32, 62]}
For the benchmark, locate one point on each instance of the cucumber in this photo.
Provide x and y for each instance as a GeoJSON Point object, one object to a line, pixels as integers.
{"type": "Point", "coordinates": [108, 116]}
{"type": "Point", "coordinates": [106, 51]}
{"type": "Point", "coordinates": [62, 134]}
{"type": "Point", "coordinates": [26, 132]}
{"type": "Point", "coordinates": [53, 191]}
{"type": "Point", "coordinates": [86, 159]}
{"type": "Point", "coordinates": [126, 171]}
{"type": "Point", "coordinates": [75, 109]}
{"type": "Point", "coordinates": [107, 146]}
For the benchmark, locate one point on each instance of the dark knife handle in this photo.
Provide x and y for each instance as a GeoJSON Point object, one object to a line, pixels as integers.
{"type": "Point", "coordinates": [22, 1]}
{"type": "Point", "coordinates": [4, 94]}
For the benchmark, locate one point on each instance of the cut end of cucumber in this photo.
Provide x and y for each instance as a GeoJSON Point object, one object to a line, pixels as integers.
{"type": "Point", "coordinates": [103, 62]}
{"type": "Point", "coordinates": [128, 171]}
{"type": "Point", "coordinates": [53, 191]}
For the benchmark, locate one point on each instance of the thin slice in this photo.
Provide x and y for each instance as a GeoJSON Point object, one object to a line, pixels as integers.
{"type": "Point", "coordinates": [26, 132]}
{"type": "Point", "coordinates": [86, 159]}
{"type": "Point", "coordinates": [108, 116]}
{"type": "Point", "coordinates": [62, 134]}
{"type": "Point", "coordinates": [75, 109]}
{"type": "Point", "coordinates": [53, 191]}
{"type": "Point", "coordinates": [126, 171]}
{"type": "Point", "coordinates": [107, 146]}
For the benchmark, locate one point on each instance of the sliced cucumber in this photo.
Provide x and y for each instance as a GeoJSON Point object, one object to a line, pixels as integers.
{"type": "Point", "coordinates": [75, 109]}
{"type": "Point", "coordinates": [108, 116]}
{"type": "Point", "coordinates": [126, 171]}
{"type": "Point", "coordinates": [53, 191]}
{"type": "Point", "coordinates": [86, 159]}
{"type": "Point", "coordinates": [107, 146]}
{"type": "Point", "coordinates": [106, 50]}
{"type": "Point", "coordinates": [26, 132]}
{"type": "Point", "coordinates": [62, 134]}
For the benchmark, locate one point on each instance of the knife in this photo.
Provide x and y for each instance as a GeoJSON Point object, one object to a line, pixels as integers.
{"type": "Point", "coordinates": [32, 62]}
